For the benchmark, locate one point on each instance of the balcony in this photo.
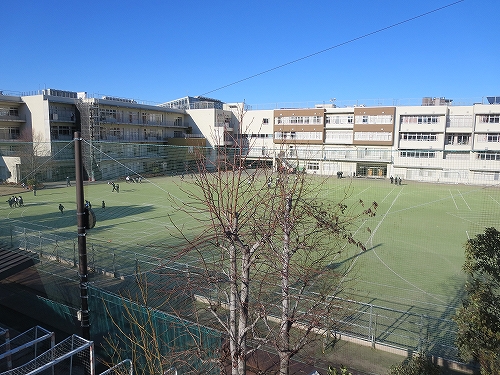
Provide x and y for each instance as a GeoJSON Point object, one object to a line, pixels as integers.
{"type": "Point", "coordinates": [12, 118]}
{"type": "Point", "coordinates": [487, 127]}
{"type": "Point", "coordinates": [132, 138]}
{"type": "Point", "coordinates": [62, 117]}
{"type": "Point", "coordinates": [420, 145]}
{"type": "Point", "coordinates": [457, 147]}
{"type": "Point", "coordinates": [141, 122]}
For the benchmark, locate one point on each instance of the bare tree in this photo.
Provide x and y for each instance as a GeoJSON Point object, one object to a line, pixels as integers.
{"type": "Point", "coordinates": [267, 243]}
{"type": "Point", "coordinates": [311, 235]}
{"type": "Point", "coordinates": [34, 154]}
{"type": "Point", "coordinates": [157, 342]}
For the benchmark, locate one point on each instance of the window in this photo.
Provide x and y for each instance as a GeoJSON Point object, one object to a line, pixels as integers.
{"type": "Point", "coordinates": [418, 137]}
{"type": "Point", "coordinates": [115, 132]}
{"type": "Point", "coordinates": [313, 166]}
{"type": "Point", "coordinates": [374, 119]}
{"type": "Point", "coordinates": [420, 119]}
{"type": "Point", "coordinates": [417, 154]}
{"type": "Point", "coordinates": [488, 155]}
{"type": "Point", "coordinates": [300, 136]}
{"type": "Point", "coordinates": [265, 121]}
{"type": "Point", "coordinates": [457, 139]}
{"type": "Point", "coordinates": [493, 137]}
{"type": "Point", "coordinates": [495, 118]}
{"type": "Point", "coordinates": [459, 121]}
{"type": "Point", "coordinates": [373, 136]}
{"type": "Point", "coordinates": [299, 120]}
{"type": "Point", "coordinates": [339, 119]}
{"type": "Point", "coordinates": [9, 133]}
{"type": "Point", "coordinates": [338, 136]}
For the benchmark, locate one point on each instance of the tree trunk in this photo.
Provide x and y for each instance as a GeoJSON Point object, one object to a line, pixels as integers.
{"type": "Point", "coordinates": [244, 299]}
{"type": "Point", "coordinates": [233, 298]}
{"type": "Point", "coordinates": [284, 352]}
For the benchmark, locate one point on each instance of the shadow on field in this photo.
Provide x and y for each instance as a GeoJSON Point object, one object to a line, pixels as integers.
{"type": "Point", "coordinates": [338, 264]}
{"type": "Point", "coordinates": [67, 219]}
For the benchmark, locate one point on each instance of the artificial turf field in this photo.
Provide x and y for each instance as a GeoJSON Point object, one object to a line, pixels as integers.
{"type": "Point", "coordinates": [414, 247]}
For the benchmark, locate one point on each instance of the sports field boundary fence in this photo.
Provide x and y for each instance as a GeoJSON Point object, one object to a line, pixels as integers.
{"type": "Point", "coordinates": [389, 329]}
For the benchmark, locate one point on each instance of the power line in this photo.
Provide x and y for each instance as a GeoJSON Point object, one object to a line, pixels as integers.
{"type": "Point", "coordinates": [335, 46]}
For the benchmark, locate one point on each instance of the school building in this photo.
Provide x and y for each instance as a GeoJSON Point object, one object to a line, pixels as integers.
{"type": "Point", "coordinates": [435, 141]}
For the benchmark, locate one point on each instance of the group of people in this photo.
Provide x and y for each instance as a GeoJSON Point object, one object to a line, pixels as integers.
{"type": "Point", "coordinates": [15, 201]}
{"type": "Point", "coordinates": [395, 180]}
{"type": "Point", "coordinates": [129, 179]}
{"type": "Point", "coordinates": [116, 187]}
{"type": "Point", "coordinates": [87, 205]}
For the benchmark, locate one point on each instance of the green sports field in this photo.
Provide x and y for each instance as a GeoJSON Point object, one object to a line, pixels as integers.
{"type": "Point", "coordinates": [414, 245]}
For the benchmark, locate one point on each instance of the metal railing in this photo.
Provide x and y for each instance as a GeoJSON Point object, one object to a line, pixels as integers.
{"type": "Point", "coordinates": [376, 325]}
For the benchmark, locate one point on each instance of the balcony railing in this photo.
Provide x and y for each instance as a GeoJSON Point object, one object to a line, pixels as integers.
{"type": "Point", "coordinates": [132, 138]}
{"type": "Point", "coordinates": [13, 118]}
{"type": "Point", "coordinates": [136, 121]}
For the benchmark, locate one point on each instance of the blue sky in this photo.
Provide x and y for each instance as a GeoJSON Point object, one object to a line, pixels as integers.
{"type": "Point", "coordinates": [162, 50]}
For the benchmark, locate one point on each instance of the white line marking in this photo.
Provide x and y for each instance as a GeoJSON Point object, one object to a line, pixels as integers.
{"type": "Point", "coordinates": [453, 199]}
{"type": "Point", "coordinates": [464, 200]}
{"type": "Point", "coordinates": [494, 200]}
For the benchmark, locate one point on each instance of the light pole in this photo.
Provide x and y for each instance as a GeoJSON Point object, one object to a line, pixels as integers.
{"type": "Point", "coordinates": [81, 221]}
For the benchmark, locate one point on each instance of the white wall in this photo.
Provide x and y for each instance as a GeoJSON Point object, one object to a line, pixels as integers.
{"type": "Point", "coordinates": [8, 166]}
{"type": "Point", "coordinates": [39, 121]}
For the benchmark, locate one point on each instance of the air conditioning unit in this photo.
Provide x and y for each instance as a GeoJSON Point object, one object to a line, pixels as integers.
{"type": "Point", "coordinates": [55, 116]}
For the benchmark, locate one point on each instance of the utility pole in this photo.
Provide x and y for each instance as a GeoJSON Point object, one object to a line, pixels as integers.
{"type": "Point", "coordinates": [82, 240]}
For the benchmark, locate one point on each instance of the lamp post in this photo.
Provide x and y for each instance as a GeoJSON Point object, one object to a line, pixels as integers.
{"type": "Point", "coordinates": [82, 240]}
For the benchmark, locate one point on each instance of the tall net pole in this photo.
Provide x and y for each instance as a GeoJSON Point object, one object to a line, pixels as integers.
{"type": "Point", "coordinates": [82, 240]}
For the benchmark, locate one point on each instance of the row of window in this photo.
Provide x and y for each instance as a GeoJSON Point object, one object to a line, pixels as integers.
{"type": "Point", "coordinates": [494, 119]}
{"type": "Point", "coordinates": [108, 114]}
{"type": "Point", "coordinates": [339, 119]}
{"type": "Point", "coordinates": [429, 137]}
{"type": "Point", "coordinates": [459, 121]}
{"type": "Point", "coordinates": [373, 136]}
{"type": "Point", "coordinates": [374, 119]}
{"type": "Point", "coordinates": [495, 137]}
{"type": "Point", "coordinates": [457, 139]}
{"type": "Point", "coordinates": [254, 135]}
{"type": "Point", "coordinates": [134, 134]}
{"type": "Point", "coordinates": [304, 136]}
{"type": "Point", "coordinates": [419, 119]}
{"type": "Point", "coordinates": [299, 120]}
{"type": "Point", "coordinates": [9, 133]}
{"type": "Point", "coordinates": [9, 111]}
{"type": "Point", "coordinates": [339, 136]}
{"type": "Point", "coordinates": [417, 154]}
{"type": "Point", "coordinates": [61, 132]}
{"type": "Point", "coordinates": [488, 155]}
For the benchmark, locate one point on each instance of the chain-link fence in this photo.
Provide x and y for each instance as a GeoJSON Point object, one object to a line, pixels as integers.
{"type": "Point", "coordinates": [376, 325]}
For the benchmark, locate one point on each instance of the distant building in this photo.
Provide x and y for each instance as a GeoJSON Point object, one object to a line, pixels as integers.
{"type": "Point", "coordinates": [436, 141]}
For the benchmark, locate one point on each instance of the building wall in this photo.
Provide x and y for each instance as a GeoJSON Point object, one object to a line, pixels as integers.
{"type": "Point", "coordinates": [38, 121]}
{"type": "Point", "coordinates": [257, 126]}
{"type": "Point", "coordinates": [432, 142]}
{"type": "Point", "coordinates": [299, 126]}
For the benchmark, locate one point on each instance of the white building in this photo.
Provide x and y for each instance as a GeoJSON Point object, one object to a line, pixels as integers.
{"type": "Point", "coordinates": [435, 141]}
